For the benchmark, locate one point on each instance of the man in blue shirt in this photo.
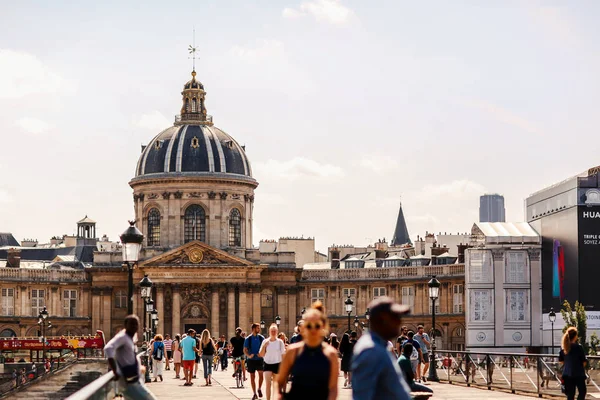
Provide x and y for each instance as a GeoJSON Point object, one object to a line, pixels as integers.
{"type": "Point", "coordinates": [416, 356]}
{"type": "Point", "coordinates": [254, 362]}
{"type": "Point", "coordinates": [372, 362]}
{"type": "Point", "coordinates": [189, 350]}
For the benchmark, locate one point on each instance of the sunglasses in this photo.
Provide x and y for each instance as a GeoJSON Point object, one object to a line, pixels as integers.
{"type": "Point", "coordinates": [316, 326]}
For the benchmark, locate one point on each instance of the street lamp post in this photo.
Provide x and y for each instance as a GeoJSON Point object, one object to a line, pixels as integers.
{"type": "Point", "coordinates": [349, 305]}
{"type": "Point", "coordinates": [368, 317]}
{"type": "Point", "coordinates": [132, 240]}
{"type": "Point", "coordinates": [43, 323]}
{"type": "Point", "coordinates": [277, 321]}
{"type": "Point", "coordinates": [356, 323]}
{"type": "Point", "coordinates": [302, 312]}
{"type": "Point", "coordinates": [154, 318]}
{"type": "Point", "coordinates": [434, 294]}
{"type": "Point", "coordinates": [552, 318]}
{"type": "Point", "coordinates": [149, 309]}
{"type": "Point", "coordinates": [262, 326]}
{"type": "Point", "coordinates": [146, 294]}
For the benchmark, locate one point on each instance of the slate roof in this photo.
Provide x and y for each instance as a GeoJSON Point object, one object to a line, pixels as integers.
{"type": "Point", "coordinates": [401, 232]}
{"type": "Point", "coordinates": [7, 239]}
{"type": "Point", "coordinates": [193, 150]}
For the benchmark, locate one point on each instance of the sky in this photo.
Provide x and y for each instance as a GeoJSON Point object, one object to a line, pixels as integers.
{"type": "Point", "coordinates": [346, 108]}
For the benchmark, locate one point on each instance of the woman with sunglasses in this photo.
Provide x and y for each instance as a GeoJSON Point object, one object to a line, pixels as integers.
{"type": "Point", "coordinates": [313, 363]}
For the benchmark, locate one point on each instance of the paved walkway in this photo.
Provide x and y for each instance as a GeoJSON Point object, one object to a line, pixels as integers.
{"type": "Point", "coordinates": [223, 387]}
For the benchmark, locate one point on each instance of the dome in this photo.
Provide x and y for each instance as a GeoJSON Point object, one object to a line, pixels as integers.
{"type": "Point", "coordinates": [193, 83]}
{"type": "Point", "coordinates": [196, 150]}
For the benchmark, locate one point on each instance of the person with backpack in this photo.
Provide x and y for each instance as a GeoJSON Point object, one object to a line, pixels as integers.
{"type": "Point", "coordinates": [416, 355]}
{"type": "Point", "coordinates": [158, 356]}
{"type": "Point", "coordinates": [254, 361]}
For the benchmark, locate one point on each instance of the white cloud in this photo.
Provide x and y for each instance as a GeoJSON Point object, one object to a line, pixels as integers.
{"type": "Point", "coordinates": [297, 168]}
{"type": "Point", "coordinates": [23, 74]}
{"type": "Point", "coordinates": [378, 163]}
{"type": "Point", "coordinates": [5, 197]}
{"type": "Point", "coordinates": [557, 24]}
{"type": "Point", "coordinates": [153, 120]}
{"type": "Point", "coordinates": [264, 50]}
{"type": "Point", "coordinates": [330, 11]}
{"type": "Point", "coordinates": [292, 13]}
{"type": "Point", "coordinates": [32, 125]}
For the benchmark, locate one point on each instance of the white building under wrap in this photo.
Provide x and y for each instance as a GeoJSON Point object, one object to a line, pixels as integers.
{"type": "Point", "coordinates": [503, 287]}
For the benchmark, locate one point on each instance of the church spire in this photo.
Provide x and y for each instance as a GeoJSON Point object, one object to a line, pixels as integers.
{"type": "Point", "coordinates": [401, 232]}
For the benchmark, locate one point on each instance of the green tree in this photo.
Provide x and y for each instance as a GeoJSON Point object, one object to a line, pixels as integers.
{"type": "Point", "coordinates": [576, 318]}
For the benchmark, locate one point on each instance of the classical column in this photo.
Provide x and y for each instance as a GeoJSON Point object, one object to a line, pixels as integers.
{"type": "Point", "coordinates": [214, 313]}
{"type": "Point", "coordinates": [176, 317]}
{"type": "Point", "coordinates": [160, 307]}
{"type": "Point", "coordinates": [53, 307]}
{"type": "Point", "coordinates": [230, 311]}
{"type": "Point", "coordinates": [256, 305]}
{"type": "Point", "coordinates": [106, 311]}
{"type": "Point", "coordinates": [281, 309]}
{"type": "Point", "coordinates": [25, 306]}
{"type": "Point", "coordinates": [82, 302]}
{"type": "Point", "coordinates": [243, 308]}
{"type": "Point", "coordinates": [292, 310]}
{"type": "Point", "coordinates": [96, 311]}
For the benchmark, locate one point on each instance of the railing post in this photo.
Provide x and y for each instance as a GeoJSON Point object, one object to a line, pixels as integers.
{"type": "Point", "coordinates": [537, 363]}
{"type": "Point", "coordinates": [510, 364]}
{"type": "Point", "coordinates": [487, 371]}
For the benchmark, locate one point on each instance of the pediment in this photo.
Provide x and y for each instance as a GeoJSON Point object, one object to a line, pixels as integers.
{"type": "Point", "coordinates": [195, 253]}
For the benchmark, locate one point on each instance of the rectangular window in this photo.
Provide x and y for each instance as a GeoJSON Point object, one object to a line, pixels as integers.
{"type": "Point", "coordinates": [480, 266]}
{"type": "Point", "coordinates": [516, 269]}
{"type": "Point", "coordinates": [317, 295]}
{"type": "Point", "coordinates": [70, 303]}
{"type": "Point", "coordinates": [345, 293]}
{"type": "Point", "coordinates": [378, 292]}
{"type": "Point", "coordinates": [8, 301]}
{"type": "Point", "coordinates": [37, 301]}
{"type": "Point", "coordinates": [457, 299]}
{"type": "Point", "coordinates": [481, 305]}
{"type": "Point", "coordinates": [437, 306]}
{"type": "Point", "coordinates": [517, 305]}
{"type": "Point", "coordinates": [408, 296]}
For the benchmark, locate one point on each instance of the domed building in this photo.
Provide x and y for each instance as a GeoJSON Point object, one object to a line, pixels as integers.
{"type": "Point", "coordinates": [194, 182]}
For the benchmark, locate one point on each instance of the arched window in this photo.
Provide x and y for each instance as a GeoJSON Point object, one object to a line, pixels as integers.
{"type": "Point", "coordinates": [194, 108]}
{"type": "Point", "coordinates": [194, 224]}
{"type": "Point", "coordinates": [154, 227]}
{"type": "Point", "coordinates": [235, 228]}
{"type": "Point", "coordinates": [187, 105]}
{"type": "Point", "coordinates": [121, 299]}
{"type": "Point", "coordinates": [6, 333]}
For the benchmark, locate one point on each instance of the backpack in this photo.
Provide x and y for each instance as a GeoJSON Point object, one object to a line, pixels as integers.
{"type": "Point", "coordinates": [159, 350]}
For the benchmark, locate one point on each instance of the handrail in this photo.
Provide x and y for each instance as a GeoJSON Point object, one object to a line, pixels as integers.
{"type": "Point", "coordinates": [100, 388]}
{"type": "Point", "coordinates": [93, 389]}
{"type": "Point", "coordinates": [517, 372]}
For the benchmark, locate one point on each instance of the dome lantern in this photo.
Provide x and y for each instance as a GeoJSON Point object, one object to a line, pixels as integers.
{"type": "Point", "coordinates": [193, 109]}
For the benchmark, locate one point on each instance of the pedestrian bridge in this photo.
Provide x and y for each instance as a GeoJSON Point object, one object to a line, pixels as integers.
{"type": "Point", "coordinates": [224, 388]}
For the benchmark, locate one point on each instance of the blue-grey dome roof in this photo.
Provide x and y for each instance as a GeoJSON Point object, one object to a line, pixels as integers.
{"type": "Point", "coordinates": [191, 150]}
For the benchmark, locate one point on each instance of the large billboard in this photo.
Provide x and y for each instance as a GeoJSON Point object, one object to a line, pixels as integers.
{"type": "Point", "coordinates": [560, 258]}
{"type": "Point", "coordinates": [589, 254]}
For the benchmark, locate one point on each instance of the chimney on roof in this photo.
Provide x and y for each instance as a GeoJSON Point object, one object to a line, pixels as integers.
{"type": "Point", "coordinates": [13, 259]}
{"type": "Point", "coordinates": [335, 258]}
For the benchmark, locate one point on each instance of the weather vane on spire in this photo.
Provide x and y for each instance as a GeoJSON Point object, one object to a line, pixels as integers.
{"type": "Point", "coordinates": [192, 50]}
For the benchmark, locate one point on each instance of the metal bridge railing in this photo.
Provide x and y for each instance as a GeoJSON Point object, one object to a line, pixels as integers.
{"type": "Point", "coordinates": [517, 372]}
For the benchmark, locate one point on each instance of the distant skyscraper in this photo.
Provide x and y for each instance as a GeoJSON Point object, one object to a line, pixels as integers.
{"type": "Point", "coordinates": [401, 232]}
{"type": "Point", "coordinates": [491, 208]}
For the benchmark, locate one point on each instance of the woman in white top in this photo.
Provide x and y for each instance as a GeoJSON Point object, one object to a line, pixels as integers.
{"type": "Point", "coordinates": [271, 350]}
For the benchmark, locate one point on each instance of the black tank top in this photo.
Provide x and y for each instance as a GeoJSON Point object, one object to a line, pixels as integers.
{"type": "Point", "coordinates": [310, 375]}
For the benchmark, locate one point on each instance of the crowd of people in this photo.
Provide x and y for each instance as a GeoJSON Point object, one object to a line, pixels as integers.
{"type": "Point", "coordinates": [308, 364]}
